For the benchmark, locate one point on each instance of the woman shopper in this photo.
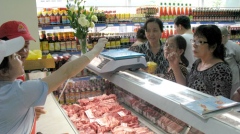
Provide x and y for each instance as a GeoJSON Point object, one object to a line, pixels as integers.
{"type": "Point", "coordinates": [19, 98]}
{"type": "Point", "coordinates": [153, 48]}
{"type": "Point", "coordinates": [141, 37]}
{"type": "Point", "coordinates": [209, 73]}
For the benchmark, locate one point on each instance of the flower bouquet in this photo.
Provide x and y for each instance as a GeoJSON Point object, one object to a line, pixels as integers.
{"type": "Point", "coordinates": [81, 20]}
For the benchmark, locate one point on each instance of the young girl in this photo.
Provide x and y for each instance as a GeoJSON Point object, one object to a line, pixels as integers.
{"type": "Point", "coordinates": [175, 46]}
{"type": "Point", "coordinates": [18, 98]}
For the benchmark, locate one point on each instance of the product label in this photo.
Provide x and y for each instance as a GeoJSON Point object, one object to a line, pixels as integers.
{"type": "Point", "coordinates": [68, 45]}
{"type": "Point", "coordinates": [117, 43]}
{"type": "Point", "coordinates": [100, 122]}
{"type": "Point", "coordinates": [124, 124]}
{"type": "Point", "coordinates": [57, 46]}
{"type": "Point", "coordinates": [121, 113]}
{"type": "Point", "coordinates": [89, 114]}
{"type": "Point", "coordinates": [107, 45]}
{"type": "Point", "coordinates": [74, 45]}
{"type": "Point", "coordinates": [45, 46]}
{"type": "Point", "coordinates": [63, 46]}
{"type": "Point", "coordinates": [51, 46]}
{"type": "Point", "coordinates": [113, 44]}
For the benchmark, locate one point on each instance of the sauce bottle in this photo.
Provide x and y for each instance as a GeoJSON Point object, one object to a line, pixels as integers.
{"type": "Point", "coordinates": [62, 43]}
{"type": "Point", "coordinates": [50, 43]}
{"type": "Point", "coordinates": [57, 46]}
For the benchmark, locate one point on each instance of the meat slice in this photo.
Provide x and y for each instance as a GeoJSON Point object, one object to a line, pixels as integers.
{"type": "Point", "coordinates": [123, 130]}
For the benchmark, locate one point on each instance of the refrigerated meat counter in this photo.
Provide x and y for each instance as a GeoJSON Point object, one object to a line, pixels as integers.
{"type": "Point", "coordinates": [167, 96]}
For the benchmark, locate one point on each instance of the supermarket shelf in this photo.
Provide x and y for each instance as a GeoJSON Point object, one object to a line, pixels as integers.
{"type": "Point", "coordinates": [156, 91]}
{"type": "Point", "coordinates": [67, 26]}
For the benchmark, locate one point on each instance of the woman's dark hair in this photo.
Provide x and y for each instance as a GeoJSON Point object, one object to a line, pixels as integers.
{"type": "Point", "coordinates": [181, 44]}
{"type": "Point", "coordinates": [183, 20]}
{"type": "Point", "coordinates": [141, 34]}
{"type": "Point", "coordinates": [5, 63]}
{"type": "Point", "coordinates": [214, 38]}
{"type": "Point", "coordinates": [156, 20]}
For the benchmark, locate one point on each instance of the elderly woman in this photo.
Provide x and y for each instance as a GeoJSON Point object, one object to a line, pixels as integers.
{"type": "Point", "coordinates": [209, 73]}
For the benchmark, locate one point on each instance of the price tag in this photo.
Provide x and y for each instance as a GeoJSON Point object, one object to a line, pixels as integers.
{"type": "Point", "coordinates": [110, 25]}
{"type": "Point", "coordinates": [89, 114]}
{"type": "Point", "coordinates": [124, 124]}
{"type": "Point", "coordinates": [91, 98]}
{"type": "Point", "coordinates": [92, 120]}
{"type": "Point", "coordinates": [215, 23]}
{"type": "Point", "coordinates": [136, 24]}
{"type": "Point", "coordinates": [66, 27]}
{"type": "Point", "coordinates": [121, 113]}
{"type": "Point", "coordinates": [100, 122]}
{"type": "Point", "coordinates": [56, 27]}
{"type": "Point", "coordinates": [165, 23]}
{"type": "Point", "coordinates": [198, 23]}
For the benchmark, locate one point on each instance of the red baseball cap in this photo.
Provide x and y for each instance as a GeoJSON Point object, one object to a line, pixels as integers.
{"type": "Point", "coordinates": [13, 29]}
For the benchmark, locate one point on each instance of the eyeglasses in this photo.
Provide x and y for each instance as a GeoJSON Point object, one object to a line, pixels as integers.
{"type": "Point", "coordinates": [198, 43]}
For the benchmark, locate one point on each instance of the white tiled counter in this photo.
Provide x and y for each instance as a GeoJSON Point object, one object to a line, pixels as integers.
{"type": "Point", "coordinates": [55, 120]}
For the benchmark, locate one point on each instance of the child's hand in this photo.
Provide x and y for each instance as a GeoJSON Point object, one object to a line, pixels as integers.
{"type": "Point", "coordinates": [173, 59]}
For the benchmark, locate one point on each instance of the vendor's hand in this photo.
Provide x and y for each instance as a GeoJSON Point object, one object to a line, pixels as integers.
{"type": "Point", "coordinates": [100, 45]}
{"type": "Point", "coordinates": [97, 49]}
{"type": "Point", "coordinates": [173, 59]}
{"type": "Point", "coordinates": [39, 111]}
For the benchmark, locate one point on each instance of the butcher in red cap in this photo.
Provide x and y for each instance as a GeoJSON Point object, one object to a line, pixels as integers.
{"type": "Point", "coordinates": [13, 29]}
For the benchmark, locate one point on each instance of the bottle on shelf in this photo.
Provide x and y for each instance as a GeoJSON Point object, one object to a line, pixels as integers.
{"type": "Point", "coordinates": [165, 18]}
{"type": "Point", "coordinates": [186, 9]}
{"type": "Point", "coordinates": [161, 11]}
{"type": "Point", "coordinates": [62, 42]}
{"type": "Point", "coordinates": [190, 12]}
{"type": "Point", "coordinates": [40, 18]}
{"type": "Point", "coordinates": [182, 9]}
{"type": "Point", "coordinates": [50, 42]}
{"type": "Point", "coordinates": [56, 42]}
{"type": "Point", "coordinates": [47, 17]}
{"type": "Point", "coordinates": [89, 41]}
{"type": "Point", "coordinates": [171, 31]}
{"type": "Point", "coordinates": [64, 17]}
{"type": "Point", "coordinates": [68, 41]}
{"type": "Point", "coordinates": [58, 16]}
{"type": "Point", "coordinates": [170, 13]}
{"type": "Point", "coordinates": [118, 42]}
{"type": "Point", "coordinates": [44, 42]}
{"type": "Point", "coordinates": [174, 12]}
{"type": "Point", "coordinates": [73, 41]}
{"type": "Point", "coordinates": [52, 17]}
{"type": "Point", "coordinates": [178, 9]}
